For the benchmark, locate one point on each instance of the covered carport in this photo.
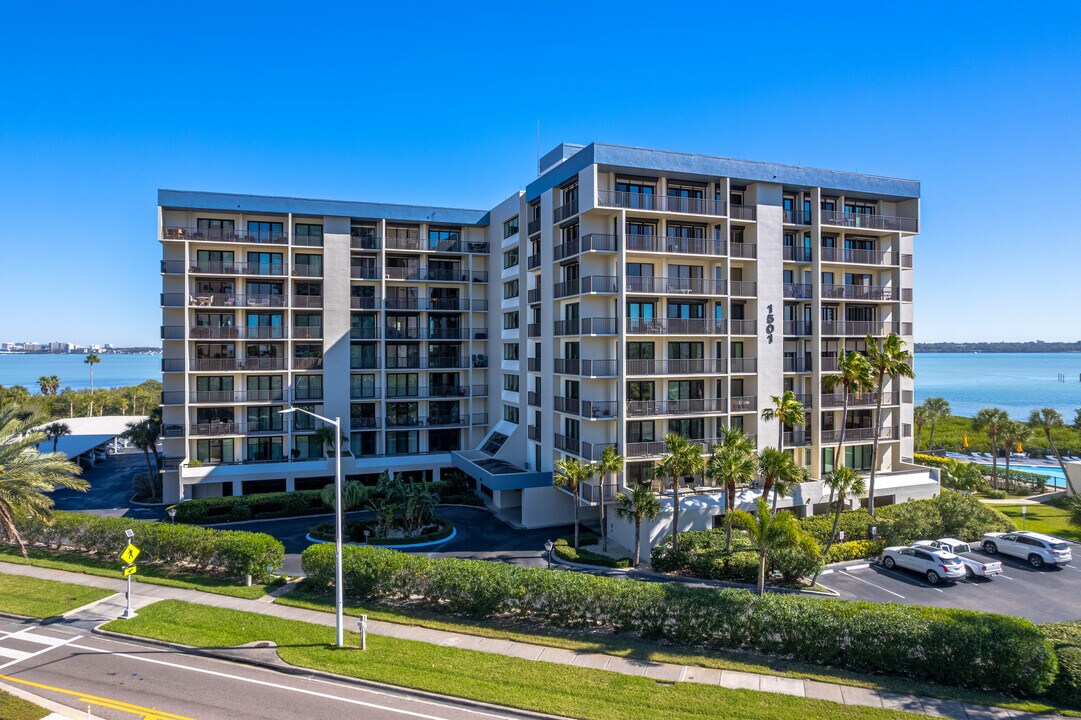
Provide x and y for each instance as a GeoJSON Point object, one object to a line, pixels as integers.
{"type": "Point", "coordinates": [89, 434]}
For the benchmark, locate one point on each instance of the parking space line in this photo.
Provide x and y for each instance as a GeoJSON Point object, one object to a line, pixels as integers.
{"type": "Point", "coordinates": [891, 592]}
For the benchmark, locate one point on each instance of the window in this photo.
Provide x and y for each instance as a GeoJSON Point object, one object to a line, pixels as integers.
{"type": "Point", "coordinates": [640, 431]}
{"type": "Point", "coordinates": [511, 383]}
{"type": "Point", "coordinates": [215, 229]}
{"type": "Point", "coordinates": [269, 448]}
{"type": "Point", "coordinates": [215, 450]}
{"type": "Point", "coordinates": [443, 239]}
{"type": "Point", "coordinates": [309, 234]}
{"type": "Point", "coordinates": [859, 457]}
{"type": "Point", "coordinates": [640, 351]}
{"type": "Point", "coordinates": [640, 390]}
{"type": "Point", "coordinates": [308, 265]}
{"type": "Point", "coordinates": [510, 258]}
{"type": "Point", "coordinates": [306, 447]}
{"type": "Point", "coordinates": [402, 385]}
{"type": "Point", "coordinates": [265, 232]}
{"type": "Point", "coordinates": [510, 413]}
{"type": "Point", "coordinates": [510, 320]}
{"type": "Point", "coordinates": [402, 442]}
{"type": "Point", "coordinates": [308, 387]}
{"type": "Point", "coordinates": [510, 351]}
{"type": "Point", "coordinates": [510, 289]}
{"type": "Point", "coordinates": [510, 227]}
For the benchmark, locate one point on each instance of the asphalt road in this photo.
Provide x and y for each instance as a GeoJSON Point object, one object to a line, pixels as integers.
{"type": "Point", "coordinates": [1046, 595]}
{"type": "Point", "coordinates": [110, 489]}
{"type": "Point", "coordinates": [120, 680]}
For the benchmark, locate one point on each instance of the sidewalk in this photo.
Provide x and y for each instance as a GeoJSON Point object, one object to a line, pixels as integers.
{"type": "Point", "coordinates": [145, 594]}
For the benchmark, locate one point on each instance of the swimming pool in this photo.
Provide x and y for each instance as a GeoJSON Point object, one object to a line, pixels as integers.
{"type": "Point", "coordinates": [1054, 475]}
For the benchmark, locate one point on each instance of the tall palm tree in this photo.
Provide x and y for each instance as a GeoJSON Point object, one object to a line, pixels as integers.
{"type": "Point", "coordinates": [637, 505]}
{"type": "Point", "coordinates": [55, 431]}
{"type": "Point", "coordinates": [144, 435]}
{"type": "Point", "coordinates": [731, 462]}
{"type": "Point", "coordinates": [992, 420]}
{"type": "Point", "coordinates": [26, 476]}
{"type": "Point", "coordinates": [853, 376]}
{"type": "Point", "coordinates": [681, 459]}
{"type": "Point", "coordinates": [779, 473]}
{"type": "Point", "coordinates": [937, 409]}
{"type": "Point", "coordinates": [920, 416]}
{"type": "Point", "coordinates": [843, 482]}
{"type": "Point", "coordinates": [48, 384]}
{"type": "Point", "coordinates": [768, 533]}
{"type": "Point", "coordinates": [786, 410]}
{"type": "Point", "coordinates": [91, 360]}
{"type": "Point", "coordinates": [1013, 432]}
{"type": "Point", "coordinates": [570, 474]}
{"type": "Point", "coordinates": [891, 362]}
{"type": "Point", "coordinates": [611, 463]}
{"type": "Point", "coordinates": [1045, 419]}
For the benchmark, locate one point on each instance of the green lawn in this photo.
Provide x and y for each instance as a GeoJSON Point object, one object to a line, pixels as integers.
{"type": "Point", "coordinates": [635, 648]}
{"type": "Point", "coordinates": [73, 562]}
{"type": "Point", "coordinates": [43, 598]}
{"type": "Point", "coordinates": [543, 687]}
{"type": "Point", "coordinates": [13, 708]}
{"type": "Point", "coordinates": [1050, 518]}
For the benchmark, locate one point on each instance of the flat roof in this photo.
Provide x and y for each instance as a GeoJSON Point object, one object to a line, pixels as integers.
{"type": "Point", "coordinates": [88, 432]}
{"type": "Point", "coordinates": [233, 202]}
{"type": "Point", "coordinates": [630, 159]}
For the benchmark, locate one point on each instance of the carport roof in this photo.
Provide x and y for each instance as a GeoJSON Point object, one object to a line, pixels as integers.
{"type": "Point", "coordinates": [88, 433]}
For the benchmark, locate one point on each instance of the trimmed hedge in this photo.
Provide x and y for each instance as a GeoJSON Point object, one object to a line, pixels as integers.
{"type": "Point", "coordinates": [564, 548]}
{"type": "Point", "coordinates": [258, 506]}
{"type": "Point", "coordinates": [354, 532]}
{"type": "Point", "coordinates": [855, 550]}
{"type": "Point", "coordinates": [229, 552]}
{"type": "Point", "coordinates": [1066, 640]}
{"type": "Point", "coordinates": [961, 647]}
{"type": "Point", "coordinates": [855, 523]}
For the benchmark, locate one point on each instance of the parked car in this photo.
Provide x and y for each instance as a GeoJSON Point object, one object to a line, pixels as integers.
{"type": "Point", "coordinates": [100, 455]}
{"type": "Point", "coordinates": [975, 565]}
{"type": "Point", "coordinates": [935, 565]}
{"type": "Point", "coordinates": [1037, 548]}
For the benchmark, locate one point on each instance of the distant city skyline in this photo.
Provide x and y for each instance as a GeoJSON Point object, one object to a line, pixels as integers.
{"type": "Point", "coordinates": [98, 118]}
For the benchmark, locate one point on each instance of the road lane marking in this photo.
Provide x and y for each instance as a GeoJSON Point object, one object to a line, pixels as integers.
{"type": "Point", "coordinates": [302, 691]}
{"type": "Point", "coordinates": [891, 592]}
{"type": "Point", "coordinates": [145, 712]}
{"type": "Point", "coordinates": [14, 654]}
{"type": "Point", "coordinates": [4, 652]}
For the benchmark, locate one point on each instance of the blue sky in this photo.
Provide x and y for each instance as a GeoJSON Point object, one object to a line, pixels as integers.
{"type": "Point", "coordinates": [438, 104]}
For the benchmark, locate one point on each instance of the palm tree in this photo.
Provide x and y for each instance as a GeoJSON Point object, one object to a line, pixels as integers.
{"type": "Point", "coordinates": [48, 384]}
{"type": "Point", "coordinates": [731, 462]}
{"type": "Point", "coordinates": [325, 437]}
{"type": "Point", "coordinates": [920, 416]}
{"type": "Point", "coordinates": [779, 473]}
{"type": "Point", "coordinates": [354, 495]}
{"type": "Point", "coordinates": [1046, 419]}
{"type": "Point", "coordinates": [55, 431]}
{"type": "Point", "coordinates": [681, 459]}
{"type": "Point", "coordinates": [26, 476]}
{"type": "Point", "coordinates": [638, 504]}
{"type": "Point", "coordinates": [992, 420]}
{"type": "Point", "coordinates": [937, 409]}
{"type": "Point", "coordinates": [1013, 432]}
{"type": "Point", "coordinates": [843, 481]}
{"type": "Point", "coordinates": [144, 435]}
{"type": "Point", "coordinates": [786, 410]}
{"type": "Point", "coordinates": [853, 376]}
{"type": "Point", "coordinates": [768, 533]}
{"type": "Point", "coordinates": [611, 464]}
{"type": "Point", "coordinates": [569, 475]}
{"type": "Point", "coordinates": [890, 361]}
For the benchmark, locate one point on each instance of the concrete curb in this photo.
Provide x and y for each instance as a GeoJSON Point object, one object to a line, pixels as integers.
{"type": "Point", "coordinates": [584, 566]}
{"type": "Point", "coordinates": [408, 546]}
{"type": "Point", "coordinates": [56, 709]}
{"type": "Point", "coordinates": [133, 501]}
{"type": "Point", "coordinates": [318, 515]}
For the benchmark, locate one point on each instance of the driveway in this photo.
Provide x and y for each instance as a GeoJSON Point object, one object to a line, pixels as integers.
{"type": "Point", "coordinates": [1046, 595]}
{"type": "Point", "coordinates": [110, 489]}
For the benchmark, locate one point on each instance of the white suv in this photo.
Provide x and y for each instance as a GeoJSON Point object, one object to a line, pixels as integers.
{"type": "Point", "coordinates": [1037, 548]}
{"type": "Point", "coordinates": [935, 565]}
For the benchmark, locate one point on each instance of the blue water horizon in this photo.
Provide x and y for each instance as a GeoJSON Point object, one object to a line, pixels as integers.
{"type": "Point", "coordinates": [112, 371]}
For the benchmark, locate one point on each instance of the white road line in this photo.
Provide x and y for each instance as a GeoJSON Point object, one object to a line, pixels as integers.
{"type": "Point", "coordinates": [1004, 577]}
{"type": "Point", "coordinates": [891, 592]}
{"type": "Point", "coordinates": [34, 637]}
{"type": "Point", "coordinates": [14, 654]}
{"type": "Point", "coordinates": [860, 566]}
{"type": "Point", "coordinates": [304, 691]}
{"type": "Point", "coordinates": [28, 656]}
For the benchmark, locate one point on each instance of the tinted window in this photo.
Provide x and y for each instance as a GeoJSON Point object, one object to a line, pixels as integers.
{"type": "Point", "coordinates": [1059, 546]}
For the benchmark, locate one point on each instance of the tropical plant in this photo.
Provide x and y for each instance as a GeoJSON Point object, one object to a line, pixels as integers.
{"type": "Point", "coordinates": [787, 411]}
{"type": "Point", "coordinates": [324, 436]}
{"type": "Point", "coordinates": [638, 504]}
{"type": "Point", "coordinates": [55, 431]}
{"type": "Point", "coordinates": [1077, 419]}
{"type": "Point", "coordinates": [570, 474]}
{"type": "Point", "coordinates": [731, 462]}
{"type": "Point", "coordinates": [780, 473]}
{"type": "Point", "coordinates": [842, 482]}
{"type": "Point", "coordinates": [27, 476]}
{"type": "Point", "coordinates": [937, 409]}
{"type": "Point", "coordinates": [767, 532]}
{"type": "Point", "coordinates": [384, 511]}
{"type": "Point", "coordinates": [48, 384]}
{"type": "Point", "coordinates": [891, 361]}
{"type": "Point", "coordinates": [920, 416]}
{"type": "Point", "coordinates": [992, 420]}
{"type": "Point", "coordinates": [1013, 433]}
{"type": "Point", "coordinates": [681, 459]}
{"type": "Point", "coordinates": [144, 435]}
{"type": "Point", "coordinates": [611, 463]}
{"type": "Point", "coordinates": [418, 506]}
{"type": "Point", "coordinates": [354, 495]}
{"type": "Point", "coordinates": [1045, 419]}
{"type": "Point", "coordinates": [853, 377]}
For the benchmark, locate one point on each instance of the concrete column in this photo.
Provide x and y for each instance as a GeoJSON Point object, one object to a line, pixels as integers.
{"type": "Point", "coordinates": [770, 286]}
{"type": "Point", "coordinates": [336, 317]}
{"type": "Point", "coordinates": [816, 333]}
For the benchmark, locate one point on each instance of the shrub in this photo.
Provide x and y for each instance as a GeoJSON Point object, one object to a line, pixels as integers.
{"type": "Point", "coordinates": [354, 532]}
{"type": "Point", "coordinates": [564, 548]}
{"type": "Point", "coordinates": [995, 494]}
{"type": "Point", "coordinates": [948, 514]}
{"type": "Point", "coordinates": [229, 552]}
{"type": "Point", "coordinates": [961, 647]}
{"type": "Point", "coordinates": [855, 523]}
{"type": "Point", "coordinates": [855, 550]}
{"type": "Point", "coordinates": [1066, 640]}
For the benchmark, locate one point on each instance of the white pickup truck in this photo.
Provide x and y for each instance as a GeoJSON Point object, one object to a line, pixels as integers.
{"type": "Point", "coordinates": [975, 566]}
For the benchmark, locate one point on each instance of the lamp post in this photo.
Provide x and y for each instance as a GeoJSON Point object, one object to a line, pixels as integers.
{"type": "Point", "coordinates": [548, 549]}
{"type": "Point", "coordinates": [339, 602]}
{"type": "Point", "coordinates": [172, 513]}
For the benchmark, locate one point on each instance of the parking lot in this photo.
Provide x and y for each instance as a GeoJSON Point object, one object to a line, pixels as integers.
{"type": "Point", "coordinates": [1046, 595]}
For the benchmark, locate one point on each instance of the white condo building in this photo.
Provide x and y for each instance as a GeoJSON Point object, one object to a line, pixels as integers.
{"type": "Point", "coordinates": [626, 293]}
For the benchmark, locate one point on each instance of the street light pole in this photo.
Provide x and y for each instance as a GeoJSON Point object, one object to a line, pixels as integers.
{"type": "Point", "coordinates": [339, 593]}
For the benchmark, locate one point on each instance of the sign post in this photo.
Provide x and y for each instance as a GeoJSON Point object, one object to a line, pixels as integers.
{"type": "Point", "coordinates": [127, 556]}
{"type": "Point", "coordinates": [1024, 515]}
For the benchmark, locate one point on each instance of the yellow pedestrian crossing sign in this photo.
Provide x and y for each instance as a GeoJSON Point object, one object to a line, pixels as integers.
{"type": "Point", "coordinates": [129, 570]}
{"type": "Point", "coordinates": [130, 553]}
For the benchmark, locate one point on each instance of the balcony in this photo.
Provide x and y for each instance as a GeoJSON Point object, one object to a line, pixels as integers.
{"type": "Point", "coordinates": [742, 212]}
{"type": "Point", "coordinates": [742, 250]}
{"type": "Point", "coordinates": [234, 364]}
{"type": "Point", "coordinates": [307, 301]}
{"type": "Point", "coordinates": [416, 421]}
{"type": "Point", "coordinates": [674, 286]}
{"type": "Point", "coordinates": [747, 403]}
{"type": "Point", "coordinates": [870, 221]}
{"type": "Point", "coordinates": [261, 237]}
{"type": "Point", "coordinates": [599, 409]}
{"type": "Point", "coordinates": [237, 332]}
{"type": "Point", "coordinates": [534, 399]}
{"type": "Point", "coordinates": [744, 327]}
{"type": "Point", "coordinates": [599, 284]}
{"type": "Point", "coordinates": [364, 303]}
{"type": "Point", "coordinates": [303, 332]}
{"type": "Point", "coordinates": [533, 261]}
{"type": "Point", "coordinates": [599, 368]}
{"type": "Point", "coordinates": [797, 365]}
{"type": "Point", "coordinates": [865, 293]}
{"type": "Point", "coordinates": [562, 289]}
{"type": "Point", "coordinates": [566, 444]}
{"type": "Point", "coordinates": [236, 428]}
{"type": "Point", "coordinates": [694, 366]}
{"type": "Point", "coordinates": [796, 217]}
{"type": "Point", "coordinates": [797, 253]}
{"type": "Point", "coordinates": [660, 203]}
{"type": "Point", "coordinates": [365, 272]}
{"type": "Point", "coordinates": [743, 366]}
{"type": "Point", "coordinates": [593, 452]}
{"type": "Point", "coordinates": [426, 333]}
{"type": "Point", "coordinates": [533, 226]}
{"type": "Point", "coordinates": [798, 438]}
{"type": "Point", "coordinates": [798, 328]}
{"type": "Point", "coordinates": [744, 288]}
{"type": "Point", "coordinates": [565, 366]}
{"type": "Point", "coordinates": [221, 300]}
{"type": "Point", "coordinates": [430, 274]}
{"type": "Point", "coordinates": [365, 241]}
{"type": "Point", "coordinates": [570, 406]}
{"type": "Point", "coordinates": [676, 244]}
{"type": "Point", "coordinates": [859, 434]}
{"type": "Point", "coordinates": [565, 211]}
{"type": "Point", "coordinates": [212, 397]}
{"type": "Point", "coordinates": [593, 242]}
{"type": "Point", "coordinates": [858, 256]}
{"type": "Point", "coordinates": [865, 327]}
{"type": "Point", "coordinates": [426, 363]}
{"type": "Point", "coordinates": [600, 326]}
{"type": "Point", "coordinates": [675, 326]}
{"type": "Point", "coordinates": [436, 304]}
{"type": "Point", "coordinates": [308, 363]}
{"type": "Point", "coordinates": [867, 399]}
{"type": "Point", "coordinates": [364, 363]}
{"type": "Point", "coordinates": [533, 330]}
{"type": "Point", "coordinates": [797, 291]}
{"type": "Point", "coordinates": [179, 267]}
{"type": "Point", "coordinates": [365, 392]}
{"type": "Point", "coordinates": [565, 327]}
{"type": "Point", "coordinates": [411, 242]}
{"type": "Point", "coordinates": [533, 432]}
{"type": "Point", "coordinates": [534, 295]}
{"type": "Point", "coordinates": [645, 408]}
{"type": "Point", "coordinates": [308, 271]}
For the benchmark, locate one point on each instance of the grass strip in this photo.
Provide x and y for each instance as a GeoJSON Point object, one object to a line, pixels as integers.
{"type": "Point", "coordinates": [38, 598]}
{"type": "Point", "coordinates": [544, 687]}
{"type": "Point", "coordinates": [14, 708]}
{"type": "Point", "coordinates": [1048, 518]}
{"type": "Point", "coordinates": [74, 562]}
{"type": "Point", "coordinates": [638, 649]}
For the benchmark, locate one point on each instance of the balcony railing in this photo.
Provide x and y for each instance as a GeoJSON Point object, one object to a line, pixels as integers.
{"type": "Point", "coordinates": [534, 295]}
{"type": "Point", "coordinates": [867, 399]}
{"type": "Point", "coordinates": [365, 392]}
{"type": "Point", "coordinates": [566, 405]}
{"type": "Point", "coordinates": [238, 332]}
{"type": "Point", "coordinates": [860, 292]}
{"type": "Point", "coordinates": [797, 217]}
{"type": "Point", "coordinates": [643, 408]}
{"type": "Point", "coordinates": [566, 444]}
{"type": "Point", "coordinates": [436, 246]}
{"type": "Point", "coordinates": [863, 257]}
{"type": "Point", "coordinates": [533, 261]}
{"type": "Point", "coordinates": [797, 365]}
{"type": "Point", "coordinates": [305, 332]}
{"type": "Point", "coordinates": [362, 332]}
{"type": "Point", "coordinates": [599, 326]}
{"type": "Point", "coordinates": [533, 226]}
{"type": "Point", "coordinates": [859, 434]}
{"type": "Point", "coordinates": [307, 301]}
{"type": "Point", "coordinates": [237, 428]}
{"type": "Point", "coordinates": [225, 396]}
{"type": "Point", "coordinates": [747, 403]}
{"type": "Point", "coordinates": [664, 203]}
{"type": "Point", "coordinates": [308, 363]}
{"type": "Point", "coordinates": [742, 250]}
{"type": "Point", "coordinates": [797, 253]}
{"type": "Point", "coordinates": [565, 327]}
{"type": "Point", "coordinates": [798, 328]}
{"type": "Point", "coordinates": [430, 274]}
{"type": "Point", "coordinates": [869, 220]}
{"type": "Point", "coordinates": [238, 235]}
{"type": "Point", "coordinates": [235, 364]}
{"type": "Point", "coordinates": [565, 366]}
{"type": "Point", "coordinates": [675, 285]}
{"type": "Point", "coordinates": [216, 267]}
{"type": "Point", "coordinates": [675, 326]}
{"type": "Point", "coordinates": [364, 303]}
{"type": "Point", "coordinates": [198, 299]}
{"type": "Point", "coordinates": [599, 368]}
{"type": "Point", "coordinates": [534, 398]}
{"type": "Point", "coordinates": [426, 333]}
{"type": "Point", "coordinates": [565, 211]}
{"type": "Point", "coordinates": [418, 421]}
{"type": "Point", "coordinates": [307, 270]}
{"type": "Point", "coordinates": [364, 363]}
{"type": "Point", "coordinates": [744, 327]}
{"type": "Point", "coordinates": [365, 272]}
{"type": "Point", "coordinates": [676, 244]}
{"type": "Point", "coordinates": [533, 330]}
{"type": "Point", "coordinates": [693, 366]}
{"type": "Point", "coordinates": [593, 242]}
{"type": "Point", "coordinates": [742, 212]}
{"type": "Point", "coordinates": [533, 432]}
{"type": "Point", "coordinates": [599, 284]}
{"type": "Point", "coordinates": [798, 438]}
{"type": "Point", "coordinates": [438, 304]}
{"type": "Point", "coordinates": [564, 289]}
{"type": "Point", "coordinates": [797, 291]}
{"type": "Point", "coordinates": [600, 409]}
{"type": "Point", "coordinates": [865, 327]}
{"type": "Point", "coordinates": [424, 363]}
{"type": "Point", "coordinates": [365, 242]}
{"type": "Point", "coordinates": [593, 452]}
{"type": "Point", "coordinates": [743, 365]}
